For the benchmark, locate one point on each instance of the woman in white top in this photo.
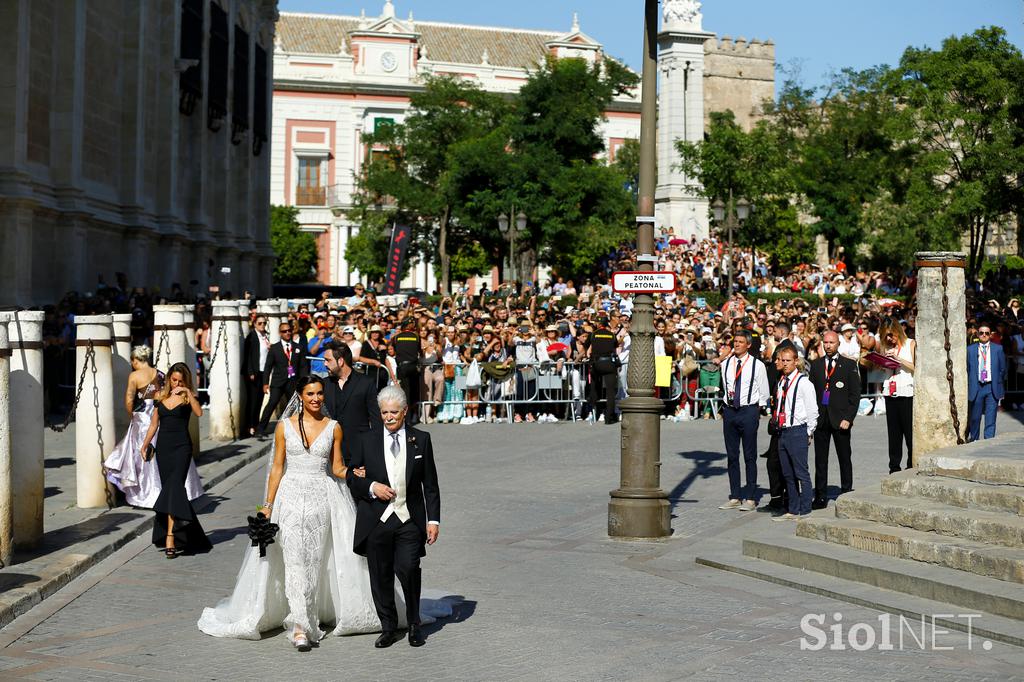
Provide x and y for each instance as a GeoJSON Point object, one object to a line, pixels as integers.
{"type": "Point", "coordinates": [849, 346]}
{"type": "Point", "coordinates": [898, 389]}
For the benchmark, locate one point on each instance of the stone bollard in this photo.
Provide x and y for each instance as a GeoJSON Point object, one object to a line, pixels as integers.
{"type": "Point", "coordinates": [243, 318]}
{"type": "Point", "coordinates": [933, 416]}
{"type": "Point", "coordinates": [168, 336]}
{"type": "Point", "coordinates": [225, 387]}
{"type": "Point", "coordinates": [188, 322]}
{"type": "Point", "coordinates": [94, 417]}
{"type": "Point", "coordinates": [25, 336]}
{"type": "Point", "coordinates": [6, 485]}
{"type": "Point", "coordinates": [272, 309]}
{"type": "Point", "coordinates": [122, 361]}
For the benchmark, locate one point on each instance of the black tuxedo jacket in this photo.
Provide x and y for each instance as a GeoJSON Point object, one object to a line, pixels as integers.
{"type": "Point", "coordinates": [843, 393]}
{"type": "Point", "coordinates": [275, 374]}
{"type": "Point", "coordinates": [354, 406]}
{"type": "Point", "coordinates": [251, 356]}
{"type": "Point", "coordinates": [423, 496]}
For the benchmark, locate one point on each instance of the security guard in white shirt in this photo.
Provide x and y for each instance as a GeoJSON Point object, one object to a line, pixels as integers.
{"type": "Point", "coordinates": [794, 417]}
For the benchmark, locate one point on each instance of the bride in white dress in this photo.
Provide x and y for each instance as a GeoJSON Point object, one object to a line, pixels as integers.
{"type": "Point", "coordinates": [310, 575]}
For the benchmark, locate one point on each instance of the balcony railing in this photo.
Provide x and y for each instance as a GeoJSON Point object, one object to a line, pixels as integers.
{"type": "Point", "coordinates": [310, 196]}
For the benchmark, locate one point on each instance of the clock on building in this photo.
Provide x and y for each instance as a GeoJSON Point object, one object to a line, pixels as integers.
{"type": "Point", "coordinates": [388, 61]}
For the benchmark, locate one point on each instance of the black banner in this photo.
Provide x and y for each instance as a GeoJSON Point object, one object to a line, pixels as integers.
{"type": "Point", "coordinates": [396, 258]}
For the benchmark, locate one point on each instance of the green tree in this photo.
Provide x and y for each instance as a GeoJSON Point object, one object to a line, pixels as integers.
{"type": "Point", "coordinates": [413, 168]}
{"type": "Point", "coordinates": [963, 102]}
{"type": "Point", "coordinates": [295, 250]}
{"type": "Point", "coordinates": [367, 250]}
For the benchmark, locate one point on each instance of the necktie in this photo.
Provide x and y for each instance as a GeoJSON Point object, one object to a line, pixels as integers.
{"type": "Point", "coordinates": [781, 407]}
{"type": "Point", "coordinates": [736, 386]}
{"type": "Point", "coordinates": [396, 449]}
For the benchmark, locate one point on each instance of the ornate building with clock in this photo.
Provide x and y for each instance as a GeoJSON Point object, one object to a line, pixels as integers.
{"type": "Point", "coordinates": [338, 77]}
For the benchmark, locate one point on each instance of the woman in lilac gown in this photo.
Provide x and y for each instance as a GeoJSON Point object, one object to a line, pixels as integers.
{"type": "Point", "coordinates": [139, 480]}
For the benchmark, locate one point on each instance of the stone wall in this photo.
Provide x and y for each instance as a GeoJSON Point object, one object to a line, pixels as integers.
{"type": "Point", "coordinates": [101, 171]}
{"type": "Point", "coordinates": [738, 75]}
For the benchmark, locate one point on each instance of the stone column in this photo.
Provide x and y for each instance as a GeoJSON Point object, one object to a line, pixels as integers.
{"type": "Point", "coordinates": [189, 330]}
{"type": "Point", "coordinates": [94, 418]}
{"type": "Point", "coordinates": [933, 416]}
{"type": "Point", "coordinates": [122, 360]}
{"type": "Point", "coordinates": [243, 318]}
{"type": "Point", "coordinates": [6, 484]}
{"type": "Point", "coordinates": [271, 307]}
{"type": "Point", "coordinates": [25, 336]}
{"type": "Point", "coordinates": [168, 336]}
{"type": "Point", "coordinates": [225, 388]}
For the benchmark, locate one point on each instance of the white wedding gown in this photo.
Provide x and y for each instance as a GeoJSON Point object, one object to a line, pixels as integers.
{"type": "Point", "coordinates": [310, 574]}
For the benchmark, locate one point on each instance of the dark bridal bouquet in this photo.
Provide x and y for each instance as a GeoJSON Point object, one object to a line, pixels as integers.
{"type": "Point", "coordinates": [261, 532]}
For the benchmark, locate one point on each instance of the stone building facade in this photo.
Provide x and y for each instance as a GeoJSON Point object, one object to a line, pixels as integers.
{"type": "Point", "coordinates": [337, 77]}
{"type": "Point", "coordinates": [134, 138]}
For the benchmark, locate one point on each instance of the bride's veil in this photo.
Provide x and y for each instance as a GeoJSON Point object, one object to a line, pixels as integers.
{"type": "Point", "coordinates": [294, 405]}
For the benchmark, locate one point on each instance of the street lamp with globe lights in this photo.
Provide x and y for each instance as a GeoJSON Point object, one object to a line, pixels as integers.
{"type": "Point", "coordinates": [732, 215]}
{"type": "Point", "coordinates": [509, 231]}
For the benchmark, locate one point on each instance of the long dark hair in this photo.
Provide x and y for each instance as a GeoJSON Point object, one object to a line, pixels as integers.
{"type": "Point", "coordinates": [302, 383]}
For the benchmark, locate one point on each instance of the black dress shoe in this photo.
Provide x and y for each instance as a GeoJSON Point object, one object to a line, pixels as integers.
{"type": "Point", "coordinates": [415, 636]}
{"type": "Point", "coordinates": [386, 639]}
{"type": "Point", "coordinates": [819, 503]}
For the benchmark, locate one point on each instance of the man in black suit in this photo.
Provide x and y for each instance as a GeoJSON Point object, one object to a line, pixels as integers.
{"type": "Point", "coordinates": [836, 381]}
{"type": "Point", "coordinates": [286, 362]}
{"type": "Point", "coordinates": [255, 350]}
{"type": "Point", "coordinates": [398, 512]}
{"type": "Point", "coordinates": [350, 398]}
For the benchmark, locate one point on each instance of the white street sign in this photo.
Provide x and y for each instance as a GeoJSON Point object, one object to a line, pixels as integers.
{"type": "Point", "coordinates": [644, 282]}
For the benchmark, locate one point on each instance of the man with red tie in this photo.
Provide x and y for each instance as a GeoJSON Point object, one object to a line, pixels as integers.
{"type": "Point", "coordinates": [745, 384]}
{"type": "Point", "coordinates": [836, 381]}
{"type": "Point", "coordinates": [285, 364]}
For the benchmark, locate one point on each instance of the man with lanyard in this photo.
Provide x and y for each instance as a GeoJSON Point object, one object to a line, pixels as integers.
{"type": "Point", "coordinates": [986, 377]}
{"type": "Point", "coordinates": [407, 355]}
{"type": "Point", "coordinates": [603, 345]}
{"type": "Point", "coordinates": [794, 417]}
{"type": "Point", "coordinates": [745, 382]}
{"type": "Point", "coordinates": [836, 382]}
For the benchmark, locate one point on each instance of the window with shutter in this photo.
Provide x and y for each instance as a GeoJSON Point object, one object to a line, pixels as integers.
{"type": "Point", "coordinates": [310, 190]}
{"type": "Point", "coordinates": [191, 54]}
{"type": "Point", "coordinates": [217, 73]}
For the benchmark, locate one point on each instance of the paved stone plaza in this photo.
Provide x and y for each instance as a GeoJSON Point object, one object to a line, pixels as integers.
{"type": "Point", "coordinates": [544, 593]}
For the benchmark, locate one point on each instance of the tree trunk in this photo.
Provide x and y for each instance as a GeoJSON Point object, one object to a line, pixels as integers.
{"type": "Point", "coordinates": [442, 252]}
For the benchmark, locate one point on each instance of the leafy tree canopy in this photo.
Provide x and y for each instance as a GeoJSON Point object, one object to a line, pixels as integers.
{"type": "Point", "coordinates": [295, 250]}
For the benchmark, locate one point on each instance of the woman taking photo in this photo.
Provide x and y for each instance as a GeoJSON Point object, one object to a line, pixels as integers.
{"type": "Point", "coordinates": [373, 354]}
{"type": "Point", "coordinates": [176, 528]}
{"type": "Point", "coordinates": [898, 389]}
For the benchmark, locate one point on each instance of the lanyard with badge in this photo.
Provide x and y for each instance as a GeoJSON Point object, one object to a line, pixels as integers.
{"type": "Point", "coordinates": [828, 379]}
{"type": "Point", "coordinates": [288, 355]}
{"type": "Point", "coordinates": [983, 352]}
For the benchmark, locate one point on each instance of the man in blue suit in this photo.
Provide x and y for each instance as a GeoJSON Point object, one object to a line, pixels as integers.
{"type": "Point", "coordinates": [986, 382]}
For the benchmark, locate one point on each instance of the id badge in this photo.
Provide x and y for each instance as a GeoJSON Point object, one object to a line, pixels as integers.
{"type": "Point", "coordinates": [782, 420]}
{"type": "Point", "coordinates": [984, 375]}
{"type": "Point", "coordinates": [824, 398]}
{"type": "Point", "coordinates": [892, 387]}
{"type": "Point", "coordinates": [291, 371]}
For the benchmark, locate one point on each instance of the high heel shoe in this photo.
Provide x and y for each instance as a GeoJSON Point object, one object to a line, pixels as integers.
{"type": "Point", "coordinates": [301, 642]}
{"type": "Point", "coordinates": [171, 552]}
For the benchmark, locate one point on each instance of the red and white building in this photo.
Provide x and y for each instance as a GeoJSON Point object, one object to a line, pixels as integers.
{"type": "Point", "coordinates": [338, 77]}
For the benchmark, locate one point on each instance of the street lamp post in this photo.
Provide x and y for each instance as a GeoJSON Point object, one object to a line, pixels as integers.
{"type": "Point", "coordinates": [509, 231]}
{"type": "Point", "coordinates": [639, 508]}
{"type": "Point", "coordinates": [734, 217]}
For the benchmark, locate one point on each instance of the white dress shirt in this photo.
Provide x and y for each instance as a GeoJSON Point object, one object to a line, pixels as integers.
{"type": "Point", "coordinates": [984, 363]}
{"type": "Point", "coordinates": [264, 343]}
{"type": "Point", "coordinates": [752, 372]}
{"type": "Point", "coordinates": [801, 407]}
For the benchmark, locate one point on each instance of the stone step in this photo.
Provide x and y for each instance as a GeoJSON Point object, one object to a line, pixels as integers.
{"type": "Point", "coordinates": [996, 528]}
{"type": "Point", "coordinates": [994, 461]}
{"type": "Point", "coordinates": [991, 561]}
{"type": "Point", "coordinates": [896, 586]}
{"type": "Point", "coordinates": [956, 492]}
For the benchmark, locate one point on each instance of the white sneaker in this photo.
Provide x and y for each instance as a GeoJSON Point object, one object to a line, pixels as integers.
{"type": "Point", "coordinates": [552, 419]}
{"type": "Point", "coordinates": [601, 418]}
{"type": "Point", "coordinates": [731, 504]}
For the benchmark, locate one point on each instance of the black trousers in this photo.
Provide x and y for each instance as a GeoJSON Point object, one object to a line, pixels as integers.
{"type": "Point", "coordinates": [284, 390]}
{"type": "Point", "coordinates": [776, 481]}
{"type": "Point", "coordinates": [899, 422]}
{"type": "Point", "coordinates": [409, 379]}
{"type": "Point", "coordinates": [822, 435]}
{"type": "Point", "coordinates": [605, 381]}
{"type": "Point", "coordinates": [393, 549]}
{"type": "Point", "coordinates": [253, 400]}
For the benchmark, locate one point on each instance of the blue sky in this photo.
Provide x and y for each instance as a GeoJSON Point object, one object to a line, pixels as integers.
{"type": "Point", "coordinates": [817, 36]}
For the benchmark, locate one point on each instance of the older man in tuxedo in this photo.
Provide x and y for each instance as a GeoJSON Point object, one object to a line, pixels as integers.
{"type": "Point", "coordinates": [836, 381]}
{"type": "Point", "coordinates": [398, 512]}
{"type": "Point", "coordinates": [986, 383]}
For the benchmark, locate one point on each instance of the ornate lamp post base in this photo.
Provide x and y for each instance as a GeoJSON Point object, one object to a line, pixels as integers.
{"type": "Point", "coordinates": [636, 511]}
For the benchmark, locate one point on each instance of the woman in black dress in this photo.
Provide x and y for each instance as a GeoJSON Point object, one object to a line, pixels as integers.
{"type": "Point", "coordinates": [176, 528]}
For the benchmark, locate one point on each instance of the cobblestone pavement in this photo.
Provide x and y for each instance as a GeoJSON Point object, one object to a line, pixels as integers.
{"type": "Point", "coordinates": [544, 593]}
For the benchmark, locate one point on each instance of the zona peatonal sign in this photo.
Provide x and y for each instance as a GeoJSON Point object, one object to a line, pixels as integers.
{"type": "Point", "coordinates": [644, 282]}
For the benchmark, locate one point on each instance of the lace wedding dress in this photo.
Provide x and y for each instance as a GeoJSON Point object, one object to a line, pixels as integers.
{"type": "Point", "coordinates": [310, 575]}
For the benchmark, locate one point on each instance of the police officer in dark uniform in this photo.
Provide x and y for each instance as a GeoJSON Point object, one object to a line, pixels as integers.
{"type": "Point", "coordinates": [604, 369]}
{"type": "Point", "coordinates": [407, 354]}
